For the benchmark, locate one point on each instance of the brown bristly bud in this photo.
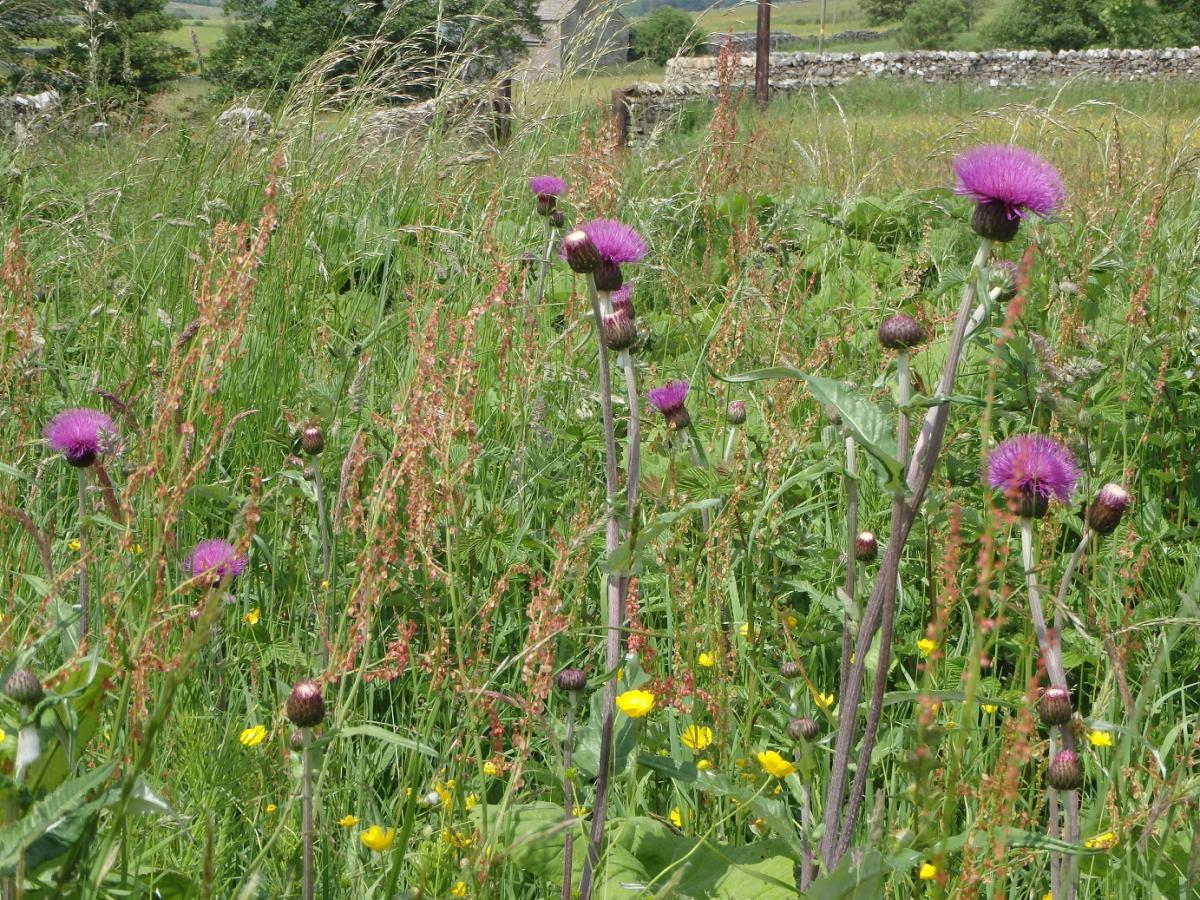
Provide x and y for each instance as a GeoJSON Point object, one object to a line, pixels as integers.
{"type": "Point", "coordinates": [582, 255]}
{"type": "Point", "coordinates": [546, 204]}
{"type": "Point", "coordinates": [619, 332]}
{"type": "Point", "coordinates": [305, 705]}
{"type": "Point", "coordinates": [790, 669]}
{"type": "Point", "coordinates": [802, 729]}
{"type": "Point", "coordinates": [608, 277]}
{"type": "Point", "coordinates": [1107, 508]}
{"type": "Point", "coordinates": [866, 547]}
{"type": "Point", "coordinates": [24, 687]}
{"type": "Point", "coordinates": [296, 740]}
{"type": "Point", "coordinates": [1064, 772]}
{"type": "Point", "coordinates": [991, 220]}
{"type": "Point", "coordinates": [901, 332]}
{"type": "Point", "coordinates": [312, 441]}
{"type": "Point", "coordinates": [1054, 707]}
{"type": "Point", "coordinates": [571, 680]}
{"type": "Point", "coordinates": [557, 219]}
{"type": "Point", "coordinates": [735, 412]}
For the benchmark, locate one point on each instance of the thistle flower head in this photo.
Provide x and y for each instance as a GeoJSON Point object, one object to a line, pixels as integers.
{"type": "Point", "coordinates": [571, 680]}
{"type": "Point", "coordinates": [78, 434]}
{"type": "Point", "coordinates": [1064, 772]}
{"type": "Point", "coordinates": [1007, 183]}
{"type": "Point", "coordinates": [580, 252]}
{"type": "Point", "coordinates": [616, 243]}
{"type": "Point", "coordinates": [619, 332]}
{"type": "Point", "coordinates": [1030, 469]}
{"type": "Point", "coordinates": [1104, 515]}
{"type": "Point", "coordinates": [24, 687]}
{"type": "Point", "coordinates": [305, 705]}
{"type": "Point", "coordinates": [669, 400]}
{"type": "Point", "coordinates": [622, 300]}
{"type": "Point", "coordinates": [901, 332]}
{"type": "Point", "coordinates": [735, 412]}
{"type": "Point", "coordinates": [312, 439]}
{"type": "Point", "coordinates": [802, 729]}
{"type": "Point", "coordinates": [866, 546]}
{"type": "Point", "coordinates": [215, 559]}
{"type": "Point", "coordinates": [1054, 707]}
{"type": "Point", "coordinates": [547, 185]}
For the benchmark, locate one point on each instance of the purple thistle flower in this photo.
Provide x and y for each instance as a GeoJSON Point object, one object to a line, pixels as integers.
{"type": "Point", "coordinates": [1007, 182]}
{"type": "Point", "coordinates": [1030, 469]}
{"type": "Point", "coordinates": [215, 558]}
{"type": "Point", "coordinates": [547, 185]}
{"type": "Point", "coordinates": [78, 434]}
{"type": "Point", "coordinates": [617, 243]}
{"type": "Point", "coordinates": [622, 300]}
{"type": "Point", "coordinates": [669, 400]}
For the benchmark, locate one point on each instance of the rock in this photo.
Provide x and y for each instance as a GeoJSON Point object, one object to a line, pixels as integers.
{"type": "Point", "coordinates": [245, 122]}
{"type": "Point", "coordinates": [99, 130]}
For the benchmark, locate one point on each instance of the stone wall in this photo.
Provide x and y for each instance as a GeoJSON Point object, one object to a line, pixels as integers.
{"type": "Point", "coordinates": [789, 71]}
{"type": "Point", "coordinates": [744, 41]}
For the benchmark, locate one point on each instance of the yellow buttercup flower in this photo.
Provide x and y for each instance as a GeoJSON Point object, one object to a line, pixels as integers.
{"type": "Point", "coordinates": [579, 811]}
{"type": "Point", "coordinates": [470, 801]}
{"type": "Point", "coordinates": [377, 839]}
{"type": "Point", "coordinates": [456, 839]}
{"type": "Point", "coordinates": [824, 700]}
{"type": "Point", "coordinates": [137, 550]}
{"type": "Point", "coordinates": [926, 646]}
{"type": "Point", "coordinates": [325, 585]}
{"type": "Point", "coordinates": [775, 765]}
{"type": "Point", "coordinates": [676, 817]}
{"type": "Point", "coordinates": [791, 621]}
{"type": "Point", "coordinates": [706, 659]}
{"type": "Point", "coordinates": [270, 807]}
{"type": "Point", "coordinates": [927, 872]}
{"type": "Point", "coordinates": [1104, 841]}
{"type": "Point", "coordinates": [703, 765]}
{"type": "Point", "coordinates": [989, 708]}
{"type": "Point", "coordinates": [348, 820]}
{"type": "Point", "coordinates": [253, 736]}
{"type": "Point", "coordinates": [1049, 895]}
{"type": "Point", "coordinates": [459, 889]}
{"type": "Point", "coordinates": [73, 545]}
{"type": "Point", "coordinates": [635, 704]}
{"type": "Point", "coordinates": [1100, 738]}
{"type": "Point", "coordinates": [489, 768]}
{"type": "Point", "coordinates": [251, 618]}
{"type": "Point", "coordinates": [3, 736]}
{"type": "Point", "coordinates": [696, 737]}
{"type": "Point", "coordinates": [744, 629]}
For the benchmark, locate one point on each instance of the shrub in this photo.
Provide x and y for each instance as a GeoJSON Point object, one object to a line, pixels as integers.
{"type": "Point", "coordinates": [930, 24]}
{"type": "Point", "coordinates": [665, 33]}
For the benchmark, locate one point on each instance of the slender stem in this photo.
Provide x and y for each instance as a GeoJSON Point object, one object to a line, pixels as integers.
{"type": "Point", "coordinates": [850, 479]}
{"type": "Point", "coordinates": [568, 800]}
{"type": "Point", "coordinates": [729, 442]}
{"type": "Point", "coordinates": [322, 524]}
{"type": "Point", "coordinates": [1052, 830]}
{"type": "Point", "coordinates": [883, 593]}
{"type": "Point", "coordinates": [307, 812]}
{"type": "Point", "coordinates": [615, 606]}
{"type": "Point", "coordinates": [634, 449]}
{"type": "Point", "coordinates": [543, 264]}
{"type": "Point", "coordinates": [83, 550]}
{"type": "Point", "coordinates": [110, 496]}
{"type": "Point", "coordinates": [806, 870]}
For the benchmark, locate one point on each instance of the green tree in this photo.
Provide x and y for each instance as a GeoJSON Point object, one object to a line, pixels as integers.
{"type": "Point", "coordinates": [1048, 25]}
{"type": "Point", "coordinates": [930, 24]}
{"type": "Point", "coordinates": [277, 40]}
{"type": "Point", "coordinates": [22, 23]}
{"type": "Point", "coordinates": [665, 33]}
{"type": "Point", "coordinates": [879, 11]}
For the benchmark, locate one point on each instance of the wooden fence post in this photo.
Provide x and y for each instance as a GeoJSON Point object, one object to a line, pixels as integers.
{"type": "Point", "coordinates": [502, 106]}
{"type": "Point", "coordinates": [620, 113]}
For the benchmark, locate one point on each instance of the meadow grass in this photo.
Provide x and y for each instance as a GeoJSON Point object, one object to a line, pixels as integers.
{"type": "Point", "coordinates": [215, 297]}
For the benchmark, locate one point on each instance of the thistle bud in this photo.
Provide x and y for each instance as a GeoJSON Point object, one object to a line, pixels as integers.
{"type": "Point", "coordinates": [1029, 504]}
{"type": "Point", "coordinates": [24, 687]}
{"type": "Point", "coordinates": [312, 441]}
{"type": "Point", "coordinates": [571, 680]}
{"type": "Point", "coordinates": [608, 277]}
{"type": "Point", "coordinates": [790, 669]}
{"type": "Point", "coordinates": [802, 729]}
{"type": "Point", "coordinates": [1104, 515]}
{"type": "Point", "coordinates": [619, 332]}
{"type": "Point", "coordinates": [901, 332]}
{"type": "Point", "coordinates": [993, 220]}
{"type": "Point", "coordinates": [546, 204]}
{"type": "Point", "coordinates": [296, 740]}
{"type": "Point", "coordinates": [1054, 708]}
{"type": "Point", "coordinates": [1002, 278]}
{"type": "Point", "coordinates": [1064, 772]}
{"type": "Point", "coordinates": [866, 547]}
{"type": "Point", "coordinates": [622, 304]}
{"type": "Point", "coordinates": [581, 254]}
{"type": "Point", "coordinates": [735, 412]}
{"type": "Point", "coordinates": [305, 706]}
{"type": "Point", "coordinates": [556, 218]}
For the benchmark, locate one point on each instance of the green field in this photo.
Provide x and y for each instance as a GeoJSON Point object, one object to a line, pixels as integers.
{"type": "Point", "coordinates": [465, 530]}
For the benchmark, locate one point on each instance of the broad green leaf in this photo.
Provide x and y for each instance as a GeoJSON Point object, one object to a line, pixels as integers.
{"type": "Point", "coordinates": [48, 813]}
{"type": "Point", "coordinates": [74, 717]}
{"type": "Point", "coordinates": [377, 732]}
{"type": "Point", "coordinates": [853, 882]}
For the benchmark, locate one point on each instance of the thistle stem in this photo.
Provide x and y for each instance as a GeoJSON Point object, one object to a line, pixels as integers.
{"type": "Point", "coordinates": [568, 800]}
{"type": "Point", "coordinates": [850, 479]}
{"type": "Point", "coordinates": [615, 607]}
{"type": "Point", "coordinates": [633, 450]}
{"type": "Point", "coordinates": [543, 264]}
{"type": "Point", "coordinates": [83, 550]}
{"type": "Point", "coordinates": [322, 524]}
{"type": "Point", "coordinates": [307, 811]}
{"type": "Point", "coordinates": [110, 496]}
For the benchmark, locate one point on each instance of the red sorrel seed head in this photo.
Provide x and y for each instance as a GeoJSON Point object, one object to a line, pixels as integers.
{"type": "Point", "coordinates": [571, 680]}
{"type": "Point", "coordinates": [1054, 707]}
{"type": "Point", "coordinates": [1064, 772]}
{"type": "Point", "coordinates": [866, 547]}
{"type": "Point", "coordinates": [1107, 508]}
{"type": "Point", "coordinates": [901, 332]}
{"type": "Point", "coordinates": [24, 687]}
{"type": "Point", "coordinates": [305, 705]}
{"type": "Point", "coordinates": [802, 729]}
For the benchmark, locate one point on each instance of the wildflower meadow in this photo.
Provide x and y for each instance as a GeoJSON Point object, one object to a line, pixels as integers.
{"type": "Point", "coordinates": [802, 503]}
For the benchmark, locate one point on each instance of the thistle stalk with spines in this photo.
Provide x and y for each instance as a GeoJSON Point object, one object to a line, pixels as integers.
{"type": "Point", "coordinates": [306, 710]}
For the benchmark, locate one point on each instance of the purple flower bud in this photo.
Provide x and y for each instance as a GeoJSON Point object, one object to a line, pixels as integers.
{"type": "Point", "coordinates": [735, 412]}
{"type": "Point", "coordinates": [619, 332]}
{"type": "Point", "coordinates": [24, 688]}
{"type": "Point", "coordinates": [669, 400]}
{"type": "Point", "coordinates": [1064, 772]}
{"type": "Point", "coordinates": [557, 219]}
{"type": "Point", "coordinates": [802, 729]}
{"type": "Point", "coordinates": [305, 705]}
{"type": "Point", "coordinates": [790, 669]}
{"type": "Point", "coordinates": [622, 300]}
{"type": "Point", "coordinates": [1002, 274]}
{"type": "Point", "coordinates": [866, 547]}
{"type": "Point", "coordinates": [580, 253]}
{"type": "Point", "coordinates": [1104, 515]}
{"type": "Point", "coordinates": [571, 680]}
{"type": "Point", "coordinates": [312, 441]}
{"type": "Point", "coordinates": [1054, 707]}
{"type": "Point", "coordinates": [901, 332]}
{"type": "Point", "coordinates": [608, 277]}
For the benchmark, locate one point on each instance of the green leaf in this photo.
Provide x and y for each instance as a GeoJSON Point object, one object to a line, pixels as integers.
{"type": "Point", "coordinates": [49, 812]}
{"type": "Point", "coordinates": [853, 882]}
{"type": "Point", "coordinates": [388, 737]}
{"type": "Point", "coordinates": [76, 716]}
{"type": "Point", "coordinates": [625, 557]}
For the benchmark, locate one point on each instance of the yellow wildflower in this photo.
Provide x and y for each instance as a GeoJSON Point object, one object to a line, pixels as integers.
{"type": "Point", "coordinates": [696, 737]}
{"type": "Point", "coordinates": [270, 807]}
{"type": "Point", "coordinates": [253, 736]}
{"type": "Point", "coordinates": [325, 585]}
{"type": "Point", "coordinates": [824, 700]}
{"type": "Point", "coordinates": [744, 629]}
{"type": "Point", "coordinates": [1049, 895]}
{"type": "Point", "coordinates": [927, 872]}
{"type": "Point", "coordinates": [137, 550]}
{"type": "Point", "coordinates": [489, 768]}
{"type": "Point", "coordinates": [706, 659]}
{"type": "Point", "coordinates": [703, 764]}
{"type": "Point", "coordinates": [73, 545]}
{"type": "Point", "coordinates": [676, 817]}
{"type": "Point", "coordinates": [251, 618]}
{"type": "Point", "coordinates": [3, 736]}
{"type": "Point", "coordinates": [456, 839]}
{"type": "Point", "coordinates": [445, 798]}
{"type": "Point", "coordinates": [775, 765]}
{"type": "Point", "coordinates": [377, 839]}
{"type": "Point", "coordinates": [579, 811]}
{"type": "Point", "coordinates": [635, 704]}
{"type": "Point", "coordinates": [1105, 841]}
{"type": "Point", "coordinates": [470, 801]}
{"type": "Point", "coordinates": [926, 646]}
{"type": "Point", "coordinates": [348, 821]}
{"type": "Point", "coordinates": [989, 708]}
{"type": "Point", "coordinates": [791, 621]}
{"type": "Point", "coordinates": [1100, 738]}
{"type": "Point", "coordinates": [459, 889]}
